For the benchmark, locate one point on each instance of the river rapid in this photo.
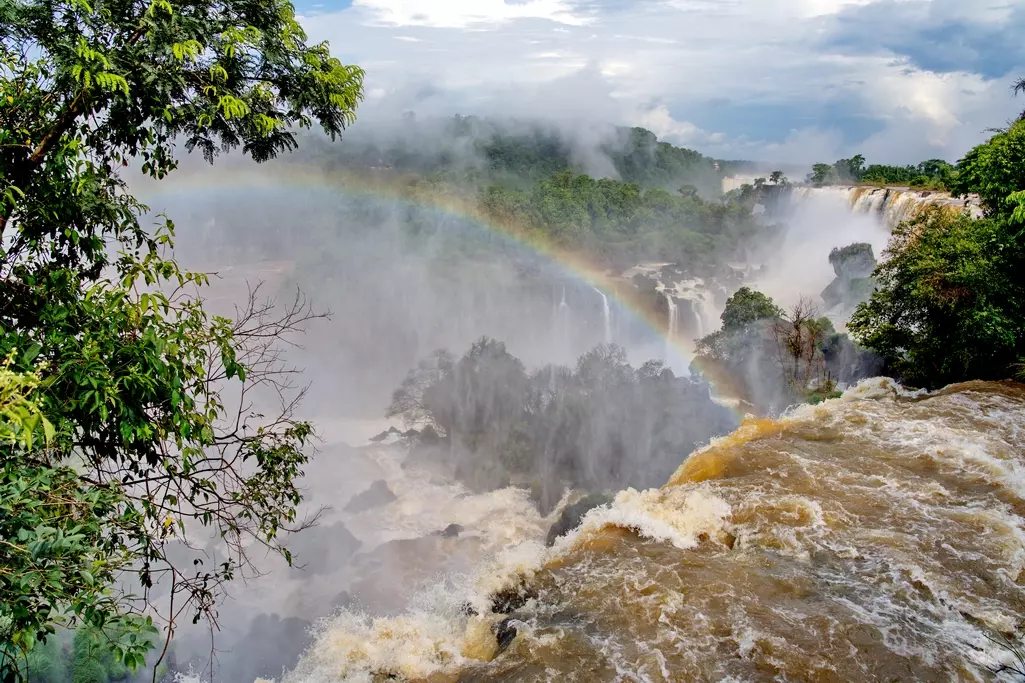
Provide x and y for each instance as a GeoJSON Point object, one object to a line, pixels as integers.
{"type": "Point", "coordinates": [875, 537]}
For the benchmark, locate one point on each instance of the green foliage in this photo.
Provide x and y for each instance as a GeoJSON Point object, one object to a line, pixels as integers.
{"type": "Point", "coordinates": [602, 424]}
{"type": "Point", "coordinates": [822, 174]}
{"type": "Point", "coordinates": [748, 306]}
{"type": "Point", "coordinates": [995, 170]}
{"type": "Point", "coordinates": [132, 439]}
{"type": "Point", "coordinates": [850, 170]}
{"type": "Point", "coordinates": [950, 304]}
{"type": "Point", "coordinates": [93, 661]}
{"type": "Point", "coordinates": [619, 223]}
{"type": "Point", "coordinates": [473, 151]}
{"type": "Point", "coordinates": [934, 174]}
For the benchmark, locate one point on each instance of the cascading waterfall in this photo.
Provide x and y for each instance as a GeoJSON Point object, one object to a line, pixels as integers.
{"type": "Point", "coordinates": [891, 205]}
{"type": "Point", "coordinates": [673, 321]}
{"type": "Point", "coordinates": [699, 326]}
{"type": "Point", "coordinates": [876, 537]}
{"type": "Point", "coordinates": [606, 315]}
{"type": "Point", "coordinates": [563, 324]}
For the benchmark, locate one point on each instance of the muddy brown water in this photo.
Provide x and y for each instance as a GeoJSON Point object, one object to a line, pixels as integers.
{"type": "Point", "coordinates": [877, 537]}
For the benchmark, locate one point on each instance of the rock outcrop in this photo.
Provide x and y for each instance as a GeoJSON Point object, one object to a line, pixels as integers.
{"type": "Point", "coordinates": [377, 495]}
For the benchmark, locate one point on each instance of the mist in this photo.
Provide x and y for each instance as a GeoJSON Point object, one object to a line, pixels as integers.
{"type": "Point", "coordinates": [401, 280]}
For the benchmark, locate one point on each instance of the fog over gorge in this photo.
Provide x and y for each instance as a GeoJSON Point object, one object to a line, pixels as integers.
{"type": "Point", "coordinates": [546, 340]}
{"type": "Point", "coordinates": [419, 534]}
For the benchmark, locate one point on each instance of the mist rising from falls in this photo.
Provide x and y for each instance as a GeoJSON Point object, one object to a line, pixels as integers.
{"type": "Point", "coordinates": [891, 206]}
{"type": "Point", "coordinates": [876, 537]}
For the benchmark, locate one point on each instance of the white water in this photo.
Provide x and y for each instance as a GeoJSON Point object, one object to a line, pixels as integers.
{"type": "Point", "coordinates": [606, 315]}
{"type": "Point", "coordinates": [840, 534]}
{"type": "Point", "coordinates": [890, 206]}
{"type": "Point", "coordinates": [673, 322]}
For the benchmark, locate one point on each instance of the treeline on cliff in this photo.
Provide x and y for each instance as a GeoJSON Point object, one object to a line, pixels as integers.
{"type": "Point", "coordinates": [933, 174]}
{"type": "Point", "coordinates": [620, 224]}
{"type": "Point", "coordinates": [476, 152]}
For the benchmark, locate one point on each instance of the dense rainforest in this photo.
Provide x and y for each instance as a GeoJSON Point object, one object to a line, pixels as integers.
{"type": "Point", "coordinates": [117, 436]}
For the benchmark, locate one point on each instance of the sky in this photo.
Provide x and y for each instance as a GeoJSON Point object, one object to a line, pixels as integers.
{"type": "Point", "coordinates": [794, 81]}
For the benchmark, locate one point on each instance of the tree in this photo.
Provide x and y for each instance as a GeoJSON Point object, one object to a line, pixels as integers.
{"type": "Point", "coordinates": [777, 178]}
{"type": "Point", "coordinates": [799, 337]}
{"type": "Point", "coordinates": [144, 448]}
{"type": "Point", "coordinates": [822, 174]}
{"type": "Point", "coordinates": [948, 306]}
{"type": "Point", "coordinates": [1019, 87]}
{"type": "Point", "coordinates": [849, 170]}
{"type": "Point", "coordinates": [995, 170]}
{"type": "Point", "coordinates": [747, 306]}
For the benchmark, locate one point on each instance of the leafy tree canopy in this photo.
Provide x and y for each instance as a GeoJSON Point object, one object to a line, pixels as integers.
{"type": "Point", "coordinates": [747, 306]}
{"type": "Point", "coordinates": [91, 303]}
{"type": "Point", "coordinates": [948, 305]}
{"type": "Point", "coordinates": [995, 170]}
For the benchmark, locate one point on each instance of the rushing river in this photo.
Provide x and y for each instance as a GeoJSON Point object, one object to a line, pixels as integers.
{"type": "Point", "coordinates": [877, 537]}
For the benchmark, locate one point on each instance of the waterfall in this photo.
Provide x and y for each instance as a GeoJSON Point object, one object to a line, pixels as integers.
{"type": "Point", "coordinates": [892, 206]}
{"type": "Point", "coordinates": [606, 315]}
{"type": "Point", "coordinates": [672, 327]}
{"type": "Point", "coordinates": [561, 324]}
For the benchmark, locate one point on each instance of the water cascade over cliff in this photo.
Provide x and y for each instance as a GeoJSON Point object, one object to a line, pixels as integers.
{"type": "Point", "coordinates": [876, 537]}
{"type": "Point", "coordinates": [891, 205]}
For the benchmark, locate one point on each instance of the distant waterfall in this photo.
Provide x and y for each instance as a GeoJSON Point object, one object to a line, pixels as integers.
{"type": "Point", "coordinates": [673, 322]}
{"type": "Point", "coordinates": [891, 205]}
{"type": "Point", "coordinates": [606, 315]}
{"type": "Point", "coordinates": [561, 322]}
{"type": "Point", "coordinates": [672, 327]}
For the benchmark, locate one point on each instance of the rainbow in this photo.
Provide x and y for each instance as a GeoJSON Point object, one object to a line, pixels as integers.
{"type": "Point", "coordinates": [404, 191]}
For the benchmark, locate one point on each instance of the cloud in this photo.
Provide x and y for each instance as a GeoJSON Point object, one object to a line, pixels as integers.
{"type": "Point", "coordinates": [907, 79]}
{"type": "Point", "coordinates": [466, 13]}
{"type": "Point", "coordinates": [984, 36]}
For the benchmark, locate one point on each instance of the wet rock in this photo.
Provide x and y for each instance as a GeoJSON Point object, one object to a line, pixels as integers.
{"type": "Point", "coordinates": [571, 516]}
{"type": "Point", "coordinates": [321, 549]}
{"type": "Point", "coordinates": [385, 435]}
{"type": "Point", "coordinates": [451, 531]}
{"type": "Point", "coordinates": [342, 601]}
{"type": "Point", "coordinates": [505, 633]}
{"type": "Point", "coordinates": [511, 599]}
{"type": "Point", "coordinates": [272, 644]}
{"type": "Point", "coordinates": [377, 495]}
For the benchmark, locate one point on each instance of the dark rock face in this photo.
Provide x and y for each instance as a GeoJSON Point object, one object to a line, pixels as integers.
{"type": "Point", "coordinates": [511, 599]}
{"type": "Point", "coordinates": [571, 516]}
{"type": "Point", "coordinates": [853, 261]}
{"type": "Point", "coordinates": [505, 633]}
{"type": "Point", "coordinates": [847, 363]}
{"type": "Point", "coordinates": [322, 549]}
{"type": "Point", "coordinates": [272, 646]}
{"type": "Point", "coordinates": [377, 495]}
{"type": "Point", "coordinates": [451, 531]}
{"type": "Point", "coordinates": [848, 292]}
{"type": "Point", "coordinates": [853, 266]}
